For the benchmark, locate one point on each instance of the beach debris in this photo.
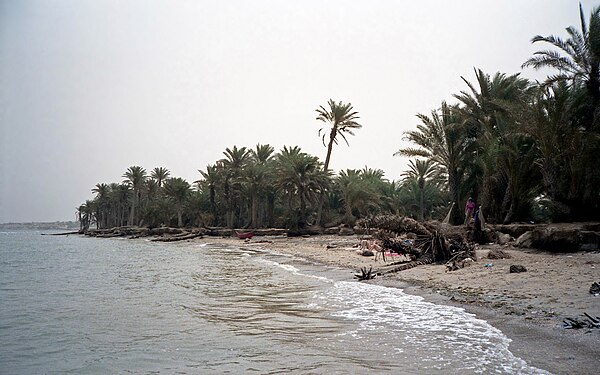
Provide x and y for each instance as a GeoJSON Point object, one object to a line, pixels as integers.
{"type": "Point", "coordinates": [453, 265]}
{"type": "Point", "coordinates": [595, 289]}
{"type": "Point", "coordinates": [503, 238]}
{"type": "Point", "coordinates": [498, 254]}
{"type": "Point", "coordinates": [587, 321]}
{"type": "Point", "coordinates": [430, 242]}
{"type": "Point", "coordinates": [517, 268]}
{"type": "Point", "coordinates": [488, 265]}
{"type": "Point", "coordinates": [365, 274]}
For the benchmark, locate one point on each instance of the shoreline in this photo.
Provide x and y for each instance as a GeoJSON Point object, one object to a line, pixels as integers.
{"type": "Point", "coordinates": [527, 307]}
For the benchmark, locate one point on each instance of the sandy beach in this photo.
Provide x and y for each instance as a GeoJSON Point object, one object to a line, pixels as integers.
{"type": "Point", "coordinates": [529, 307]}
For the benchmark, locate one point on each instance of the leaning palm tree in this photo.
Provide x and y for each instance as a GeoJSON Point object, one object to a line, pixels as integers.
{"type": "Point", "coordinates": [135, 177]}
{"type": "Point", "coordinates": [579, 59]}
{"type": "Point", "coordinates": [340, 119]}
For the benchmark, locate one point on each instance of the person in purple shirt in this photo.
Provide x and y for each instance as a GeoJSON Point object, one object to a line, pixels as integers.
{"type": "Point", "coordinates": [469, 210]}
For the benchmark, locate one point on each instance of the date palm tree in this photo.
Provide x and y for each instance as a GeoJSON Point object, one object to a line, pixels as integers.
{"type": "Point", "coordinates": [579, 58]}
{"type": "Point", "coordinates": [340, 119]}
{"type": "Point", "coordinates": [235, 161]}
{"type": "Point", "coordinates": [302, 179]}
{"type": "Point", "coordinates": [358, 193]}
{"type": "Point", "coordinates": [177, 191]}
{"type": "Point", "coordinates": [135, 176]}
{"type": "Point", "coordinates": [257, 179]}
{"type": "Point", "coordinates": [212, 180]}
{"type": "Point", "coordinates": [423, 172]}
{"type": "Point", "coordinates": [102, 204]}
{"type": "Point", "coordinates": [160, 174]}
{"type": "Point", "coordinates": [494, 112]}
{"type": "Point", "coordinates": [443, 139]}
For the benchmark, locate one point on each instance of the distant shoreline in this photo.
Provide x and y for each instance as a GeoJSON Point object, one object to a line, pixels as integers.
{"type": "Point", "coordinates": [50, 225]}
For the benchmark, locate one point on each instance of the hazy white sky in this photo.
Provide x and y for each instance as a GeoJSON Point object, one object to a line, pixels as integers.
{"type": "Point", "coordinates": [89, 88]}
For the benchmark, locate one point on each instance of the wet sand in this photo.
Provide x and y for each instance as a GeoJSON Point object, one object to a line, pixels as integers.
{"type": "Point", "coordinates": [528, 307]}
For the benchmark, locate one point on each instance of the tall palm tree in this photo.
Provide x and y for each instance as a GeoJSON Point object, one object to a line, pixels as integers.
{"type": "Point", "coordinates": [579, 59]}
{"type": "Point", "coordinates": [177, 191]}
{"type": "Point", "coordinates": [135, 176]}
{"type": "Point", "coordinates": [160, 174]}
{"type": "Point", "coordinates": [340, 119]}
{"type": "Point", "coordinates": [443, 139]}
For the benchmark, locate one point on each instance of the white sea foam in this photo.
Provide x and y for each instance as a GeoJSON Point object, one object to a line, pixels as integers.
{"type": "Point", "coordinates": [416, 326]}
{"type": "Point", "coordinates": [293, 269]}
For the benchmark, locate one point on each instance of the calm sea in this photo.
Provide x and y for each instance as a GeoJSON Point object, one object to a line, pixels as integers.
{"type": "Point", "coordinates": [75, 305]}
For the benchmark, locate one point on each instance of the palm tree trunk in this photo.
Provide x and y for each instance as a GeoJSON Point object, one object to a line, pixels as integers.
{"type": "Point", "coordinates": [332, 136]}
{"type": "Point", "coordinates": [254, 211]}
{"type": "Point", "coordinates": [421, 204]}
{"type": "Point", "coordinates": [453, 189]}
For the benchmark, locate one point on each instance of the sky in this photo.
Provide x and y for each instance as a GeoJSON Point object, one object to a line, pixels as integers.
{"type": "Point", "coordinates": [89, 88]}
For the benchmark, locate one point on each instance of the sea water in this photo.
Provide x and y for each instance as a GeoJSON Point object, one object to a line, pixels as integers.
{"type": "Point", "coordinates": [78, 305]}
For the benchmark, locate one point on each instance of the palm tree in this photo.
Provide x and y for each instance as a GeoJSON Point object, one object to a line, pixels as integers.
{"type": "Point", "coordinates": [443, 139]}
{"type": "Point", "coordinates": [494, 112]}
{"type": "Point", "coordinates": [135, 177]}
{"type": "Point", "coordinates": [212, 179]}
{"type": "Point", "coordinates": [177, 191]}
{"type": "Point", "coordinates": [160, 174]}
{"type": "Point", "coordinates": [423, 171]}
{"type": "Point", "coordinates": [340, 119]}
{"type": "Point", "coordinates": [234, 163]}
{"type": "Point", "coordinates": [579, 59]}
{"type": "Point", "coordinates": [102, 204]}
{"type": "Point", "coordinates": [415, 201]}
{"type": "Point", "coordinates": [258, 181]}
{"type": "Point", "coordinates": [357, 192]}
{"type": "Point", "coordinates": [302, 179]}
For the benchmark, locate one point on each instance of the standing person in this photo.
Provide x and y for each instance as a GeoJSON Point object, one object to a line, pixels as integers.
{"type": "Point", "coordinates": [469, 210]}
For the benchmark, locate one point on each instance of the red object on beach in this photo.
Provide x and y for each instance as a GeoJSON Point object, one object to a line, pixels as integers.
{"type": "Point", "coordinates": [245, 235]}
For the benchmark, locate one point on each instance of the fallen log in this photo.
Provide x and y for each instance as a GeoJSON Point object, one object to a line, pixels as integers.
{"type": "Point", "coordinates": [177, 238]}
{"type": "Point", "coordinates": [60, 234]}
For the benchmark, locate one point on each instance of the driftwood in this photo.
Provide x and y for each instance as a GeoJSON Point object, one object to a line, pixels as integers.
{"type": "Point", "coordinates": [61, 234]}
{"type": "Point", "coordinates": [586, 321]}
{"type": "Point", "coordinates": [187, 236]}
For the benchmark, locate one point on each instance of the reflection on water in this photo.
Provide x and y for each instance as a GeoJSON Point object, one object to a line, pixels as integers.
{"type": "Point", "coordinates": [84, 305]}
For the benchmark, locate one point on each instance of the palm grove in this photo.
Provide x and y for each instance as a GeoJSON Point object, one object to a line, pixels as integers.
{"type": "Point", "coordinates": [524, 150]}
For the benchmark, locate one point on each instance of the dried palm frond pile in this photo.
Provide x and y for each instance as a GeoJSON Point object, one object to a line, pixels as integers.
{"type": "Point", "coordinates": [423, 243]}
